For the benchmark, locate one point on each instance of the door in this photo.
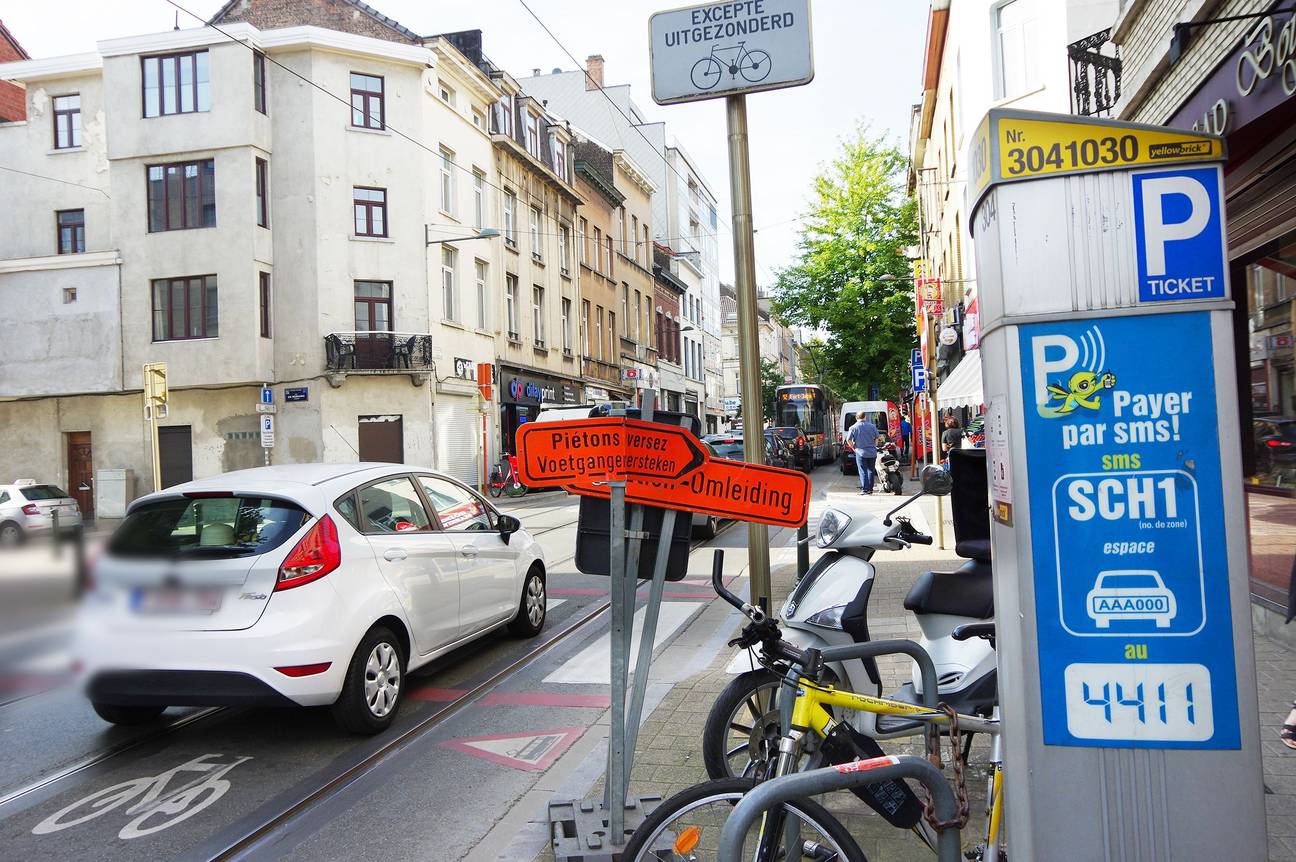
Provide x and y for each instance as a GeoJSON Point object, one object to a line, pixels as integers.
{"type": "Point", "coordinates": [489, 583]}
{"type": "Point", "coordinates": [373, 316]}
{"type": "Point", "coordinates": [175, 451]}
{"type": "Point", "coordinates": [80, 473]}
{"type": "Point", "coordinates": [417, 561]}
{"type": "Point", "coordinates": [382, 438]}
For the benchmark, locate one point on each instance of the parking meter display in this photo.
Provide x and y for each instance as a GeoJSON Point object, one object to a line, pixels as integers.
{"type": "Point", "coordinates": [1127, 529]}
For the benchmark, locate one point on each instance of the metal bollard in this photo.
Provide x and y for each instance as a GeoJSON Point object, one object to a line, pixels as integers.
{"type": "Point", "coordinates": [800, 785]}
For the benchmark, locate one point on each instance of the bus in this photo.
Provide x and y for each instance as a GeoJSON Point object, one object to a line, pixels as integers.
{"type": "Point", "coordinates": [812, 407]}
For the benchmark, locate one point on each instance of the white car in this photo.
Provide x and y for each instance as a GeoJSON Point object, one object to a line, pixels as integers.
{"type": "Point", "coordinates": [308, 584]}
{"type": "Point", "coordinates": [1133, 594]}
{"type": "Point", "coordinates": [27, 509]}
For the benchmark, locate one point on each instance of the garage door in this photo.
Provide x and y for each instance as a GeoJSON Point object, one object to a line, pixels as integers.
{"type": "Point", "coordinates": [458, 439]}
{"type": "Point", "coordinates": [382, 439]}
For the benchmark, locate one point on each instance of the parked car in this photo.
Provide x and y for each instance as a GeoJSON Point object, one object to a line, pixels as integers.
{"type": "Point", "coordinates": [306, 584]}
{"type": "Point", "coordinates": [706, 526]}
{"type": "Point", "coordinates": [27, 509]}
{"type": "Point", "coordinates": [799, 444]}
{"type": "Point", "coordinates": [1275, 442]}
{"type": "Point", "coordinates": [777, 452]}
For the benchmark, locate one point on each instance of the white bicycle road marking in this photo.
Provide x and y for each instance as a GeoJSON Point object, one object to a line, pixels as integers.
{"type": "Point", "coordinates": [173, 806]}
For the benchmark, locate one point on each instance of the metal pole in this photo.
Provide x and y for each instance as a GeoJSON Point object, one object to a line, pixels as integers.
{"type": "Point", "coordinates": [614, 783]}
{"type": "Point", "coordinates": [803, 550]}
{"type": "Point", "coordinates": [748, 335]}
{"type": "Point", "coordinates": [157, 450]}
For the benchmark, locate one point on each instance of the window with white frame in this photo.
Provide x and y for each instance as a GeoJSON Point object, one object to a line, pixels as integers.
{"type": "Point", "coordinates": [636, 315]}
{"type": "Point", "coordinates": [620, 230]}
{"type": "Point", "coordinates": [583, 241]}
{"type": "Point", "coordinates": [533, 134]}
{"type": "Point", "coordinates": [479, 199]}
{"type": "Point", "coordinates": [598, 250]}
{"type": "Point", "coordinates": [538, 315]}
{"type": "Point", "coordinates": [634, 236]}
{"type": "Point", "coordinates": [625, 307]}
{"type": "Point", "coordinates": [564, 247]}
{"type": "Point", "coordinates": [447, 182]}
{"type": "Point", "coordinates": [510, 306]}
{"type": "Point", "coordinates": [536, 248]}
{"type": "Point", "coordinates": [483, 286]}
{"type": "Point", "coordinates": [478, 118]}
{"type": "Point", "coordinates": [449, 297]}
{"type": "Point", "coordinates": [584, 327]}
{"type": "Point", "coordinates": [447, 93]}
{"type": "Point", "coordinates": [559, 157]}
{"type": "Point", "coordinates": [503, 116]}
{"type": "Point", "coordinates": [1016, 62]}
{"type": "Point", "coordinates": [510, 218]}
{"type": "Point", "coordinates": [598, 323]}
{"type": "Point", "coordinates": [566, 326]}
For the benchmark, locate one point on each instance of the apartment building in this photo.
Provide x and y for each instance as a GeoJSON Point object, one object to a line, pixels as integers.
{"type": "Point", "coordinates": [668, 293]}
{"type": "Point", "coordinates": [979, 54]}
{"type": "Point", "coordinates": [684, 215]}
{"type": "Point", "coordinates": [209, 208]}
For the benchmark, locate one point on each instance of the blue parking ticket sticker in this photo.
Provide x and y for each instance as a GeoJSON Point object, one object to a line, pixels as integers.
{"type": "Point", "coordinates": [1127, 528]}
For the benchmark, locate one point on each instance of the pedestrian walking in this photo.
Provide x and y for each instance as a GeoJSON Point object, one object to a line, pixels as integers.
{"type": "Point", "coordinates": [862, 439]}
{"type": "Point", "coordinates": [906, 430]}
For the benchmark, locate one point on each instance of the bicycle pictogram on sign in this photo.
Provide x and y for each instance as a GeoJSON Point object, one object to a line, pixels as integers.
{"type": "Point", "coordinates": [754, 66]}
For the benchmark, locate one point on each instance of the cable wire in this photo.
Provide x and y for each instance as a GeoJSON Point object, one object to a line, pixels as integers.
{"type": "Point", "coordinates": [55, 180]}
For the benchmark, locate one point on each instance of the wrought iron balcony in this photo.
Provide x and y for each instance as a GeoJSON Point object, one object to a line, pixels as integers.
{"type": "Point", "coordinates": [1095, 74]}
{"type": "Point", "coordinates": [370, 352]}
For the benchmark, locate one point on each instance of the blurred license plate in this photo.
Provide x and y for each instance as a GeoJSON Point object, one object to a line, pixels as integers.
{"type": "Point", "coordinates": [170, 600]}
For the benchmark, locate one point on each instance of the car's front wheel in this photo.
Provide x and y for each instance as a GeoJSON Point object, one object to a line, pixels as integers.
{"type": "Point", "coordinates": [127, 716]}
{"type": "Point", "coordinates": [374, 684]}
{"type": "Point", "coordinates": [532, 607]}
{"type": "Point", "coordinates": [10, 534]}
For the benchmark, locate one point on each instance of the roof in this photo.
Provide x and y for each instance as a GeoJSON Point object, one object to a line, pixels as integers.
{"type": "Point", "coordinates": [365, 8]}
{"type": "Point", "coordinates": [9, 37]}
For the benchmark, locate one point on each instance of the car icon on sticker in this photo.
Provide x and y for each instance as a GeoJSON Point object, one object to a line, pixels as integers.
{"type": "Point", "coordinates": [1132, 594]}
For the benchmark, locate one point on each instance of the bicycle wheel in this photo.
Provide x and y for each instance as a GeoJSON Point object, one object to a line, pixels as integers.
{"type": "Point", "coordinates": [698, 813]}
{"type": "Point", "coordinates": [514, 488]}
{"type": "Point", "coordinates": [706, 73]}
{"type": "Point", "coordinates": [755, 66]}
{"type": "Point", "coordinates": [741, 734]}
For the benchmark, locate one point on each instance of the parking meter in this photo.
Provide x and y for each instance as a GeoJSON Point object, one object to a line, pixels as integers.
{"type": "Point", "coordinates": [1126, 666]}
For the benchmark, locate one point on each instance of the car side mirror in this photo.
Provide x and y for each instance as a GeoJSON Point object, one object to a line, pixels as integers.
{"type": "Point", "coordinates": [936, 481]}
{"type": "Point", "coordinates": [507, 526]}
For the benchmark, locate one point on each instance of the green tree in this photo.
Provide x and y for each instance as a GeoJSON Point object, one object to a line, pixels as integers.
{"type": "Point", "coordinates": [771, 380]}
{"type": "Point", "coordinates": [852, 279]}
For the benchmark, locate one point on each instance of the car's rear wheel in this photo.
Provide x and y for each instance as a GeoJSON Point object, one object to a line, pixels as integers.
{"type": "Point", "coordinates": [127, 715]}
{"type": "Point", "coordinates": [374, 684]}
{"type": "Point", "coordinates": [532, 607]}
{"type": "Point", "coordinates": [10, 534]}
{"type": "Point", "coordinates": [708, 529]}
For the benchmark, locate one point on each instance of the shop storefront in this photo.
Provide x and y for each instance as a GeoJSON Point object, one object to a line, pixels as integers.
{"type": "Point", "coordinates": [521, 395]}
{"type": "Point", "coordinates": [1249, 98]}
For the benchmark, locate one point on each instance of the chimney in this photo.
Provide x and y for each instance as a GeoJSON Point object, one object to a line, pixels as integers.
{"type": "Point", "coordinates": [594, 72]}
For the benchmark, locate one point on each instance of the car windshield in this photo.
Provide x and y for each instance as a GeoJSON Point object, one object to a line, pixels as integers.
{"type": "Point", "coordinates": [42, 492]}
{"type": "Point", "coordinates": [207, 528]}
{"type": "Point", "coordinates": [1131, 582]}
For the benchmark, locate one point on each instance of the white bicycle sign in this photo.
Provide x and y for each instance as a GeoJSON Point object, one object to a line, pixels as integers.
{"type": "Point", "coordinates": [157, 807]}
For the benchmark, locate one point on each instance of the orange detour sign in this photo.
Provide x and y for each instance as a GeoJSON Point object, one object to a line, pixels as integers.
{"type": "Point", "coordinates": [726, 489]}
{"type": "Point", "coordinates": [598, 450]}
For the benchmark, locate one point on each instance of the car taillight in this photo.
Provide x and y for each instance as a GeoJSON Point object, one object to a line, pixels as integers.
{"type": "Point", "coordinates": [1272, 444]}
{"type": "Point", "coordinates": [317, 554]}
{"type": "Point", "coordinates": [30, 509]}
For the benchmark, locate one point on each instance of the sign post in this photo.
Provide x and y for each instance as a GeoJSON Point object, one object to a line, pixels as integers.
{"type": "Point", "coordinates": [730, 49]}
{"type": "Point", "coordinates": [1125, 654]}
{"type": "Point", "coordinates": [156, 397]}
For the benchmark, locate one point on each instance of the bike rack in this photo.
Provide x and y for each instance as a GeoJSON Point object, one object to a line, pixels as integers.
{"type": "Point", "coordinates": [778, 791]}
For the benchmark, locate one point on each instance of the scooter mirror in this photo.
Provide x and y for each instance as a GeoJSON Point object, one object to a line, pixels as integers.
{"type": "Point", "coordinates": [936, 481]}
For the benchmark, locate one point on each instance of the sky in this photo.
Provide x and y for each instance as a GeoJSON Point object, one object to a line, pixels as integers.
{"type": "Point", "coordinates": [868, 56]}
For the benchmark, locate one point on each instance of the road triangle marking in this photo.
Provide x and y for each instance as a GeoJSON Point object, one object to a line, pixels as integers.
{"type": "Point", "coordinates": [534, 752]}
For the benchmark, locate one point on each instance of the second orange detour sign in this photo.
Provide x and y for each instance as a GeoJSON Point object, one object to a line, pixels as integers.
{"type": "Point", "coordinates": [662, 465]}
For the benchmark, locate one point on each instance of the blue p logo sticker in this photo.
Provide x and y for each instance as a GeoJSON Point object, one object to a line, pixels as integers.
{"type": "Point", "coordinates": [1179, 234]}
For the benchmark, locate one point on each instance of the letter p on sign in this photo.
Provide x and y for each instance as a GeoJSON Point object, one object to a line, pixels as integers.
{"type": "Point", "coordinates": [1179, 234]}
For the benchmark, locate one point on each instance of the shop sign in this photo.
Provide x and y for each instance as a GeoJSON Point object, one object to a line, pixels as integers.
{"type": "Point", "coordinates": [465, 369]}
{"type": "Point", "coordinates": [568, 393]}
{"type": "Point", "coordinates": [948, 336]}
{"type": "Point", "coordinates": [525, 390]}
{"type": "Point", "coordinates": [630, 373]}
{"type": "Point", "coordinates": [1279, 342]}
{"type": "Point", "coordinates": [972, 326]}
{"type": "Point", "coordinates": [596, 393]}
{"type": "Point", "coordinates": [1179, 234]}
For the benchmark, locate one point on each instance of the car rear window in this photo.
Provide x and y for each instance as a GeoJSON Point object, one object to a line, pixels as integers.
{"type": "Point", "coordinates": [787, 433]}
{"type": "Point", "coordinates": [207, 528]}
{"type": "Point", "coordinates": [731, 450]}
{"type": "Point", "coordinates": [42, 492]}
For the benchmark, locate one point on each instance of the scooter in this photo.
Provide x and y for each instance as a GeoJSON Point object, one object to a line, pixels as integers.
{"type": "Point", "coordinates": [889, 478]}
{"type": "Point", "coordinates": [829, 607]}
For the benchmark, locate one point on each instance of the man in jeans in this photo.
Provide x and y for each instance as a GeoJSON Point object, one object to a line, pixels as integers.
{"type": "Point", "coordinates": [862, 440]}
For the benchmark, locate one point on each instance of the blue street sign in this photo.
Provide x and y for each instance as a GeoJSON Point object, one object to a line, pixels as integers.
{"type": "Point", "coordinates": [267, 395]}
{"type": "Point", "coordinates": [1130, 558]}
{"type": "Point", "coordinates": [1179, 234]}
{"type": "Point", "coordinates": [915, 358]}
{"type": "Point", "coordinates": [919, 378]}
{"type": "Point", "coordinates": [296, 393]}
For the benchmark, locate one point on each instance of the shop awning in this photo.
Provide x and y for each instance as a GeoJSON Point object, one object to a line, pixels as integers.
{"type": "Point", "coordinates": [963, 387]}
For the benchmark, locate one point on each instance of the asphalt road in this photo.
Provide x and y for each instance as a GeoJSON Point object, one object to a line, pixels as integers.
{"type": "Point", "coordinates": [201, 782]}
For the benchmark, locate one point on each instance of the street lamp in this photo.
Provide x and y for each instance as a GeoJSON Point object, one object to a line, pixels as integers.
{"type": "Point", "coordinates": [484, 233]}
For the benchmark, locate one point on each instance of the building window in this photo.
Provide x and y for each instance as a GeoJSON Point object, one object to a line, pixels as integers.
{"type": "Point", "coordinates": [367, 101]}
{"type": "Point", "coordinates": [609, 257]}
{"type": "Point", "coordinates": [564, 248]}
{"type": "Point", "coordinates": [1015, 59]}
{"type": "Point", "coordinates": [447, 93]}
{"type": "Point", "coordinates": [263, 193]}
{"type": "Point", "coordinates": [510, 218]}
{"type": "Point", "coordinates": [636, 315]}
{"type": "Point", "coordinates": [612, 340]}
{"type": "Point", "coordinates": [449, 303]}
{"type": "Point", "coordinates": [483, 282]}
{"type": "Point", "coordinates": [479, 200]}
{"type": "Point", "coordinates": [598, 250]}
{"type": "Point", "coordinates": [532, 134]}
{"type": "Point", "coordinates": [504, 116]}
{"type": "Point", "coordinates": [634, 236]}
{"type": "Point", "coordinates": [69, 295]}
{"type": "Point", "coordinates": [583, 240]}
{"type": "Point", "coordinates": [176, 84]}
{"type": "Point", "coordinates": [479, 119]}
{"type": "Point", "coordinates": [71, 231]}
{"type": "Point", "coordinates": [182, 195]}
{"type": "Point", "coordinates": [620, 229]}
{"type": "Point", "coordinates": [67, 121]}
{"type": "Point", "coordinates": [537, 315]}
{"type": "Point", "coordinates": [566, 326]}
{"type": "Point", "coordinates": [184, 308]}
{"type": "Point", "coordinates": [647, 261]}
{"type": "Point", "coordinates": [559, 157]}
{"type": "Point", "coordinates": [373, 307]}
{"type": "Point", "coordinates": [447, 182]}
{"type": "Point", "coordinates": [259, 81]}
{"type": "Point", "coordinates": [536, 248]}
{"type": "Point", "coordinates": [370, 207]}
{"type": "Point", "coordinates": [625, 308]}
{"type": "Point", "coordinates": [263, 295]}
{"type": "Point", "coordinates": [598, 331]}
{"type": "Point", "coordinates": [510, 306]}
